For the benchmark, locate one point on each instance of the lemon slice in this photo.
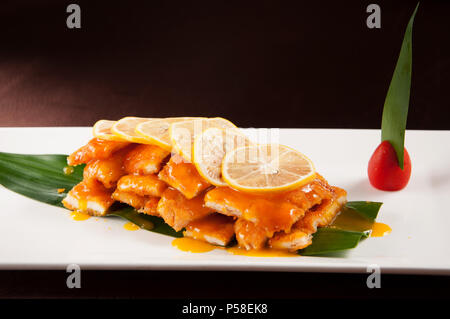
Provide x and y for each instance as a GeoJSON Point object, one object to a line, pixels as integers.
{"type": "Point", "coordinates": [102, 130]}
{"type": "Point", "coordinates": [210, 148]}
{"type": "Point", "coordinates": [125, 129]}
{"type": "Point", "coordinates": [182, 134]}
{"type": "Point", "coordinates": [157, 131]}
{"type": "Point", "coordinates": [266, 168]}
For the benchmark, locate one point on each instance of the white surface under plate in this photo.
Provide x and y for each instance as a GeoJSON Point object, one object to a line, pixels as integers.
{"type": "Point", "coordinates": [34, 235]}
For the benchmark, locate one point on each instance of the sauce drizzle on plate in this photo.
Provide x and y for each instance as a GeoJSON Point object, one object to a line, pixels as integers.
{"type": "Point", "coordinates": [192, 245]}
{"type": "Point", "coordinates": [130, 226]}
{"type": "Point", "coordinates": [79, 216]}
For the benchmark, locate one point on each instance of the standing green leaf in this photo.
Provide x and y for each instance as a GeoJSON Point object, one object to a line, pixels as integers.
{"type": "Point", "coordinates": [395, 111]}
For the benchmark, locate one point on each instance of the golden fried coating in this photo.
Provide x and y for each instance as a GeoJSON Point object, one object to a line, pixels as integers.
{"type": "Point", "coordinates": [319, 216]}
{"type": "Point", "coordinates": [136, 201]}
{"type": "Point", "coordinates": [310, 194]}
{"type": "Point", "coordinates": [94, 150]}
{"type": "Point", "coordinates": [178, 211]}
{"type": "Point", "coordinates": [322, 215]}
{"type": "Point", "coordinates": [215, 229]}
{"type": "Point", "coordinates": [151, 206]}
{"type": "Point", "coordinates": [266, 212]}
{"type": "Point", "coordinates": [143, 185]}
{"type": "Point", "coordinates": [234, 203]}
{"type": "Point", "coordinates": [183, 176]}
{"type": "Point", "coordinates": [228, 201]}
{"type": "Point", "coordinates": [93, 199]}
{"type": "Point", "coordinates": [145, 159]}
{"type": "Point", "coordinates": [107, 171]}
{"type": "Point", "coordinates": [248, 235]}
{"type": "Point", "coordinates": [295, 240]}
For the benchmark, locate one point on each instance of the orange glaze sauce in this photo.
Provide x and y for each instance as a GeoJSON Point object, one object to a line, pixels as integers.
{"type": "Point", "coordinates": [195, 205]}
{"type": "Point", "coordinates": [197, 246]}
{"type": "Point", "coordinates": [142, 185]}
{"type": "Point", "coordinates": [351, 220]}
{"type": "Point", "coordinates": [95, 149]}
{"type": "Point", "coordinates": [260, 252]}
{"type": "Point", "coordinates": [214, 225]}
{"type": "Point", "coordinates": [94, 190]}
{"type": "Point", "coordinates": [271, 212]}
{"type": "Point", "coordinates": [144, 159]}
{"type": "Point", "coordinates": [183, 176]}
{"type": "Point", "coordinates": [192, 245]}
{"type": "Point", "coordinates": [380, 230]}
{"type": "Point", "coordinates": [79, 216]}
{"type": "Point", "coordinates": [82, 191]}
{"type": "Point", "coordinates": [130, 226]}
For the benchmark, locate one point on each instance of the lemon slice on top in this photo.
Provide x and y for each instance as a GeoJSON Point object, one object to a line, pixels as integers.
{"type": "Point", "coordinates": [125, 129]}
{"type": "Point", "coordinates": [266, 168]}
{"type": "Point", "coordinates": [210, 148]}
{"type": "Point", "coordinates": [182, 134]}
{"type": "Point", "coordinates": [157, 131]}
{"type": "Point", "coordinates": [102, 130]}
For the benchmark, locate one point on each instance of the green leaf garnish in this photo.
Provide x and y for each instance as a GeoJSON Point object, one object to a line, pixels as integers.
{"type": "Point", "coordinates": [41, 176]}
{"type": "Point", "coordinates": [357, 216]}
{"type": "Point", "coordinates": [327, 240]}
{"type": "Point", "coordinates": [38, 176]}
{"type": "Point", "coordinates": [366, 209]}
{"type": "Point", "coordinates": [395, 111]}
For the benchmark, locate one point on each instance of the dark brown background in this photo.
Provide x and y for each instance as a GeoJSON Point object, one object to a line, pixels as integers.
{"type": "Point", "coordinates": [258, 63]}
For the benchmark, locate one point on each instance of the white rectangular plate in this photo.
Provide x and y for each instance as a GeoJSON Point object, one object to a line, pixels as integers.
{"type": "Point", "coordinates": [34, 235]}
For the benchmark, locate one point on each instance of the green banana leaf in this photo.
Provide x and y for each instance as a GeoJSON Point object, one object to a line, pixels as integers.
{"type": "Point", "coordinates": [366, 209]}
{"type": "Point", "coordinates": [353, 224]}
{"type": "Point", "coordinates": [395, 110]}
{"type": "Point", "coordinates": [147, 222]}
{"type": "Point", "coordinates": [40, 176]}
{"type": "Point", "coordinates": [327, 240]}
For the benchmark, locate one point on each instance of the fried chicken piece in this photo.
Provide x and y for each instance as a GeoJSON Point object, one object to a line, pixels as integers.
{"type": "Point", "coordinates": [107, 171]}
{"type": "Point", "coordinates": [215, 229]}
{"type": "Point", "coordinates": [228, 201]}
{"type": "Point", "coordinates": [260, 216]}
{"type": "Point", "coordinates": [145, 159]}
{"type": "Point", "coordinates": [151, 206]}
{"type": "Point", "coordinates": [93, 199]}
{"type": "Point", "coordinates": [178, 211]}
{"type": "Point", "coordinates": [143, 185]}
{"type": "Point", "coordinates": [183, 176]}
{"type": "Point", "coordinates": [132, 199]}
{"type": "Point", "coordinates": [143, 204]}
{"type": "Point", "coordinates": [322, 215]}
{"type": "Point", "coordinates": [268, 212]}
{"type": "Point", "coordinates": [319, 216]}
{"type": "Point", "coordinates": [248, 235]}
{"type": "Point", "coordinates": [295, 240]}
{"type": "Point", "coordinates": [233, 203]}
{"type": "Point", "coordinates": [94, 150]}
{"type": "Point", "coordinates": [310, 194]}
